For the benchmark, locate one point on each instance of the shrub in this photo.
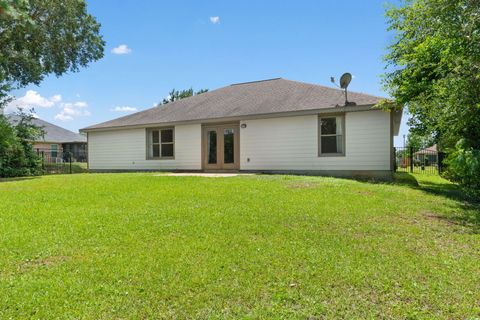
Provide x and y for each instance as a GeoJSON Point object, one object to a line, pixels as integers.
{"type": "Point", "coordinates": [17, 157]}
{"type": "Point", "coordinates": [463, 166]}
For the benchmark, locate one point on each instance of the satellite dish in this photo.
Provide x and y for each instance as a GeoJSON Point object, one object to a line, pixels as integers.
{"type": "Point", "coordinates": [345, 80]}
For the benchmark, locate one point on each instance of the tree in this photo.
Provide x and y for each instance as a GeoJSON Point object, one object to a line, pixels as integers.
{"type": "Point", "coordinates": [418, 142]}
{"type": "Point", "coordinates": [38, 38]}
{"type": "Point", "coordinates": [45, 37]}
{"type": "Point", "coordinates": [433, 67]}
{"type": "Point", "coordinates": [175, 95]}
{"type": "Point", "coordinates": [17, 157]}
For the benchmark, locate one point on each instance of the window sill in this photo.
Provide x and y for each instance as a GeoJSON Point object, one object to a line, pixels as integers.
{"type": "Point", "coordinates": [162, 158]}
{"type": "Point", "coordinates": [329, 155]}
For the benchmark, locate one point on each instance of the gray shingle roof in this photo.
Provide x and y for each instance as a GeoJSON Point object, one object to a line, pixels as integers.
{"type": "Point", "coordinates": [243, 99]}
{"type": "Point", "coordinates": [53, 133]}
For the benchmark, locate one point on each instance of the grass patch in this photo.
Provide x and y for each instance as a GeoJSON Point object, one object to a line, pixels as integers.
{"type": "Point", "coordinates": [130, 246]}
{"type": "Point", "coordinates": [65, 167]}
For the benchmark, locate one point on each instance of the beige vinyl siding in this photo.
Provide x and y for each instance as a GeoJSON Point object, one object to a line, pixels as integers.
{"type": "Point", "coordinates": [126, 150]}
{"type": "Point", "coordinates": [47, 146]}
{"type": "Point", "coordinates": [291, 143]}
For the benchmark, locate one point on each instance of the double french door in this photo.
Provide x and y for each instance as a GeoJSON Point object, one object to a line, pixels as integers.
{"type": "Point", "coordinates": [221, 147]}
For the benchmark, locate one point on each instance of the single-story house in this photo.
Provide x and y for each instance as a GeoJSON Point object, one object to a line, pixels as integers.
{"type": "Point", "coordinates": [273, 125]}
{"type": "Point", "coordinates": [427, 156]}
{"type": "Point", "coordinates": [57, 142]}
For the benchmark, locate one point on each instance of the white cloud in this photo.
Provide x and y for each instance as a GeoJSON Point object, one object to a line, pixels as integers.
{"type": "Point", "coordinates": [124, 109]}
{"type": "Point", "coordinates": [63, 117]}
{"type": "Point", "coordinates": [80, 104]}
{"type": "Point", "coordinates": [56, 98]}
{"type": "Point", "coordinates": [32, 99]}
{"type": "Point", "coordinates": [215, 20]}
{"type": "Point", "coordinates": [121, 49]}
{"type": "Point", "coordinates": [72, 110]}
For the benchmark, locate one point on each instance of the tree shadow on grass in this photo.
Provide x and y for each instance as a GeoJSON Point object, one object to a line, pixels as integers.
{"type": "Point", "coordinates": [405, 179]}
{"type": "Point", "coordinates": [18, 179]}
{"type": "Point", "coordinates": [64, 168]}
{"type": "Point", "coordinates": [469, 205]}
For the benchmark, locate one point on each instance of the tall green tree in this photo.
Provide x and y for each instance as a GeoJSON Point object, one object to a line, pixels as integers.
{"type": "Point", "coordinates": [175, 95]}
{"type": "Point", "coordinates": [433, 67]}
{"type": "Point", "coordinates": [39, 38]}
{"type": "Point", "coordinates": [417, 141]}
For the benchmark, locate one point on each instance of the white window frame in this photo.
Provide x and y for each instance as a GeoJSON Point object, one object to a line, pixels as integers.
{"type": "Point", "coordinates": [150, 143]}
{"type": "Point", "coordinates": [54, 149]}
{"type": "Point", "coordinates": [339, 117]}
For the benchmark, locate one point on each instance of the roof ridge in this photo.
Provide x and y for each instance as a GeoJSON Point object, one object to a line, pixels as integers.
{"type": "Point", "coordinates": [248, 82]}
{"type": "Point", "coordinates": [34, 119]}
{"type": "Point", "coordinates": [55, 125]}
{"type": "Point", "coordinates": [52, 132]}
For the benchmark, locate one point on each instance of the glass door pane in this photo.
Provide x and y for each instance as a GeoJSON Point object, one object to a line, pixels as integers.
{"type": "Point", "coordinates": [228, 145]}
{"type": "Point", "coordinates": [212, 146]}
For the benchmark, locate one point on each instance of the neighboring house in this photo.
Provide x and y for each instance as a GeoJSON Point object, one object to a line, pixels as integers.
{"type": "Point", "coordinates": [57, 142]}
{"type": "Point", "coordinates": [427, 156]}
{"type": "Point", "coordinates": [272, 125]}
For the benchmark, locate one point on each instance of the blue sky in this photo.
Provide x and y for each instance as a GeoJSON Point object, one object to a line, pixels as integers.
{"type": "Point", "coordinates": [210, 44]}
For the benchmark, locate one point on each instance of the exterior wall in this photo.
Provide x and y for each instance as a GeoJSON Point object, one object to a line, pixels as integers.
{"type": "Point", "coordinates": [46, 147]}
{"type": "Point", "coordinates": [286, 144]}
{"type": "Point", "coordinates": [127, 150]}
{"type": "Point", "coordinates": [291, 144]}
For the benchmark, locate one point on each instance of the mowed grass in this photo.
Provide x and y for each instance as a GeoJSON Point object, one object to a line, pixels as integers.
{"type": "Point", "coordinates": [150, 246]}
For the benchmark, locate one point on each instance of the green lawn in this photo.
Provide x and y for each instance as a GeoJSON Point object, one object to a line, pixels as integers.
{"type": "Point", "coordinates": [148, 246]}
{"type": "Point", "coordinates": [65, 167]}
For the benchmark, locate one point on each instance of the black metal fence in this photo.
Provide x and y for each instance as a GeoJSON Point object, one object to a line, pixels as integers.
{"type": "Point", "coordinates": [55, 161]}
{"type": "Point", "coordinates": [409, 159]}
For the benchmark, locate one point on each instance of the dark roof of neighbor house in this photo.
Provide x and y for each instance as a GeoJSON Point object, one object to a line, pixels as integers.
{"type": "Point", "coordinates": [431, 149]}
{"type": "Point", "coordinates": [53, 133]}
{"type": "Point", "coordinates": [243, 99]}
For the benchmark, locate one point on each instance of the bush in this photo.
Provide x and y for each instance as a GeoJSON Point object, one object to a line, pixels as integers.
{"type": "Point", "coordinates": [463, 166]}
{"type": "Point", "coordinates": [17, 157]}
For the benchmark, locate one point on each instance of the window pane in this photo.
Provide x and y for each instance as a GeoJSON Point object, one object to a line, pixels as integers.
{"type": "Point", "coordinates": [228, 146]}
{"type": "Point", "coordinates": [167, 135]}
{"type": "Point", "coordinates": [54, 151]}
{"type": "Point", "coordinates": [212, 146]}
{"type": "Point", "coordinates": [167, 150]}
{"type": "Point", "coordinates": [156, 150]}
{"type": "Point", "coordinates": [339, 125]}
{"type": "Point", "coordinates": [155, 137]}
{"type": "Point", "coordinates": [329, 126]}
{"type": "Point", "coordinates": [329, 144]}
{"type": "Point", "coordinates": [340, 144]}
